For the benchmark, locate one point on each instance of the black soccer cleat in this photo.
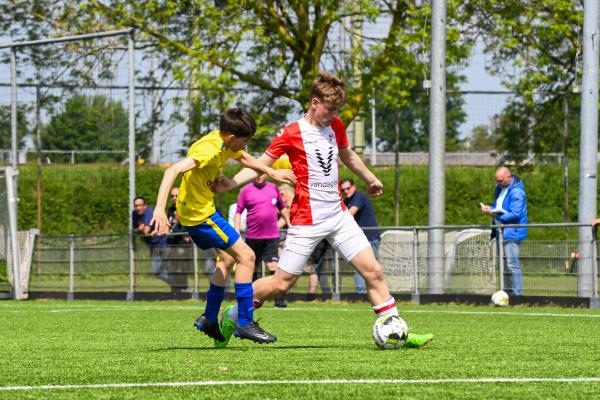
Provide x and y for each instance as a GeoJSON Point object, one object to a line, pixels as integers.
{"type": "Point", "coordinates": [210, 330]}
{"type": "Point", "coordinates": [254, 332]}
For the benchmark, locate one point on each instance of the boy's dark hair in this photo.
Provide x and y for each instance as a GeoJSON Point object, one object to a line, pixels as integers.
{"type": "Point", "coordinates": [139, 198]}
{"type": "Point", "coordinates": [238, 122]}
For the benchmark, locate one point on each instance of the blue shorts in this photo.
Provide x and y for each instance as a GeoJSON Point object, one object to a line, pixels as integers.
{"type": "Point", "coordinates": [214, 232]}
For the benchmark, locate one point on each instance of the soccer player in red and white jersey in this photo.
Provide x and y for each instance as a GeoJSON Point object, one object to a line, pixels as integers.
{"type": "Point", "coordinates": [313, 144]}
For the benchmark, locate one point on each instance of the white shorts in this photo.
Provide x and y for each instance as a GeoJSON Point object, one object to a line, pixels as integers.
{"type": "Point", "coordinates": [341, 231]}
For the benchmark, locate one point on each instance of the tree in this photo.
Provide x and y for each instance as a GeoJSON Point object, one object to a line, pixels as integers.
{"type": "Point", "coordinates": [275, 48]}
{"type": "Point", "coordinates": [481, 139]}
{"type": "Point", "coordinates": [413, 121]}
{"type": "Point", "coordinates": [88, 123]}
{"type": "Point", "coordinates": [536, 47]}
{"type": "Point", "coordinates": [5, 127]}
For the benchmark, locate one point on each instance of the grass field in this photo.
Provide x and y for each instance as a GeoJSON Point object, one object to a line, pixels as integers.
{"type": "Point", "coordinates": [93, 350]}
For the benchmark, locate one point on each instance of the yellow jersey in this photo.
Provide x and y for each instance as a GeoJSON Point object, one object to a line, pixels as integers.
{"type": "Point", "coordinates": [196, 202]}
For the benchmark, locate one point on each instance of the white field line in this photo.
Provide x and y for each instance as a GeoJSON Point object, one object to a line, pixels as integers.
{"type": "Point", "coordinates": [304, 382]}
{"type": "Point", "coordinates": [84, 308]}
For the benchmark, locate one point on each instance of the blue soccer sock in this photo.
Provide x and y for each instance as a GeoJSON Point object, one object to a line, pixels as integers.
{"type": "Point", "coordinates": [214, 298]}
{"type": "Point", "coordinates": [244, 295]}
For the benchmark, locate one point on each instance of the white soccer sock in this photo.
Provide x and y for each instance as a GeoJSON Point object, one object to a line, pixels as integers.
{"type": "Point", "coordinates": [387, 308]}
{"type": "Point", "coordinates": [233, 313]}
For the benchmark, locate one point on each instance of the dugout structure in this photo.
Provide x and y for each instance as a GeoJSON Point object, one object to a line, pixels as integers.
{"type": "Point", "coordinates": [469, 261]}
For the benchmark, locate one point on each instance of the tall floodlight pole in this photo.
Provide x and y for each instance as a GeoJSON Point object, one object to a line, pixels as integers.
{"type": "Point", "coordinates": [131, 100]}
{"type": "Point", "coordinates": [373, 129]}
{"type": "Point", "coordinates": [13, 107]}
{"type": "Point", "coordinates": [588, 166]}
{"type": "Point", "coordinates": [132, 160]}
{"type": "Point", "coordinates": [437, 144]}
{"type": "Point", "coordinates": [359, 121]}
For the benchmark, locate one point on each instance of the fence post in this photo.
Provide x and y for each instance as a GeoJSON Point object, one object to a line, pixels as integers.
{"type": "Point", "coordinates": [500, 237]}
{"type": "Point", "coordinates": [336, 274]}
{"type": "Point", "coordinates": [594, 300]}
{"type": "Point", "coordinates": [415, 297]}
{"type": "Point", "coordinates": [195, 255]}
{"type": "Point", "coordinates": [131, 290]}
{"type": "Point", "coordinates": [71, 293]}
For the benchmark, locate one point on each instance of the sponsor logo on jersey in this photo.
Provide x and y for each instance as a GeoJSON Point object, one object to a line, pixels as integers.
{"type": "Point", "coordinates": [323, 185]}
{"type": "Point", "coordinates": [325, 160]}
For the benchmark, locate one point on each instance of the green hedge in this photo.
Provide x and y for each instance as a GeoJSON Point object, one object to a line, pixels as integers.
{"type": "Point", "coordinates": [93, 198]}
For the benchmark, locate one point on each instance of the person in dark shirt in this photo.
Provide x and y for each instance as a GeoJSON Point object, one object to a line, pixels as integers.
{"type": "Point", "coordinates": [141, 216]}
{"type": "Point", "coordinates": [361, 209]}
{"type": "Point", "coordinates": [180, 252]}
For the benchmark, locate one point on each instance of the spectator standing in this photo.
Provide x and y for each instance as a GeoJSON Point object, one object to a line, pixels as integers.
{"type": "Point", "coordinates": [510, 207]}
{"type": "Point", "coordinates": [141, 218]}
{"type": "Point", "coordinates": [263, 203]}
{"type": "Point", "coordinates": [361, 209]}
{"type": "Point", "coordinates": [179, 249]}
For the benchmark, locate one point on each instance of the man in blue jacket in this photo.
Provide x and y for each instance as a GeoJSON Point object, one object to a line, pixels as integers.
{"type": "Point", "coordinates": [510, 207]}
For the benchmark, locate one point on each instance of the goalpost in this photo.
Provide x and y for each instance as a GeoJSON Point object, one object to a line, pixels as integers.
{"type": "Point", "coordinates": [16, 248]}
{"type": "Point", "coordinates": [469, 261]}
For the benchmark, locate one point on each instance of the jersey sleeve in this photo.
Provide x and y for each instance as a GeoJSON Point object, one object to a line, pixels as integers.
{"type": "Point", "coordinates": [340, 132]}
{"type": "Point", "coordinates": [235, 155]}
{"type": "Point", "coordinates": [147, 217]}
{"type": "Point", "coordinates": [360, 202]}
{"type": "Point", "coordinates": [203, 152]}
{"type": "Point", "coordinates": [280, 144]}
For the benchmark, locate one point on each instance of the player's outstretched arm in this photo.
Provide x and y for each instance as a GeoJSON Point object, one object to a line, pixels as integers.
{"type": "Point", "coordinates": [159, 218]}
{"type": "Point", "coordinates": [262, 166]}
{"type": "Point", "coordinates": [356, 165]}
{"type": "Point", "coordinates": [223, 184]}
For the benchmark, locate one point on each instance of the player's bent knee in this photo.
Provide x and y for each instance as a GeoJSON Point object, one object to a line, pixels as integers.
{"type": "Point", "coordinates": [283, 286]}
{"type": "Point", "coordinates": [247, 259]}
{"type": "Point", "coordinates": [374, 274]}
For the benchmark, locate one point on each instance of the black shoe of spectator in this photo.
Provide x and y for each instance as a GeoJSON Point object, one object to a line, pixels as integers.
{"type": "Point", "coordinates": [280, 302]}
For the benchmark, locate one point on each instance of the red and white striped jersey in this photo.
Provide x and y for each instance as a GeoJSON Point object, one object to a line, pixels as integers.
{"type": "Point", "coordinates": [313, 153]}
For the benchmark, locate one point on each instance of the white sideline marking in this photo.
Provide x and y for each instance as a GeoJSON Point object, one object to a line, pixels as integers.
{"type": "Point", "coordinates": [84, 308]}
{"type": "Point", "coordinates": [303, 382]}
{"type": "Point", "coordinates": [528, 314]}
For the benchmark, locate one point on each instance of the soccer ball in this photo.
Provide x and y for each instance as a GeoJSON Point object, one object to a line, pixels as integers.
{"type": "Point", "coordinates": [500, 298]}
{"type": "Point", "coordinates": [390, 332]}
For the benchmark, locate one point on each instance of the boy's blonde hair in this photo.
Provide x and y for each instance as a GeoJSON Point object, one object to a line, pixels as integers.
{"type": "Point", "coordinates": [329, 89]}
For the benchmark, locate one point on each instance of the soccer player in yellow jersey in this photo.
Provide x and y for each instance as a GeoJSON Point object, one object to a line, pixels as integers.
{"type": "Point", "coordinates": [207, 228]}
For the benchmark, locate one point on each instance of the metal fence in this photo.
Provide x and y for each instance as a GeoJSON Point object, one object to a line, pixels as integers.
{"type": "Point", "coordinates": [473, 264]}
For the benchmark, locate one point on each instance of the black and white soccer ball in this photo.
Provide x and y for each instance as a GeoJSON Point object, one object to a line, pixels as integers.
{"type": "Point", "coordinates": [390, 332]}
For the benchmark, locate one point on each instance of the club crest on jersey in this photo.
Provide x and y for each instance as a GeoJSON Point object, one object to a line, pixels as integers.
{"type": "Point", "coordinates": [331, 135]}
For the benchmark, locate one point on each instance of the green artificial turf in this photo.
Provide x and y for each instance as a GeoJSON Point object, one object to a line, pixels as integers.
{"type": "Point", "coordinates": [105, 342]}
